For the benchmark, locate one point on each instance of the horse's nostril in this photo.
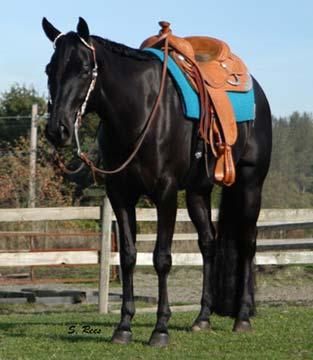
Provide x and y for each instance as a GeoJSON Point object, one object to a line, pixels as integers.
{"type": "Point", "coordinates": [65, 134]}
{"type": "Point", "coordinates": [64, 131]}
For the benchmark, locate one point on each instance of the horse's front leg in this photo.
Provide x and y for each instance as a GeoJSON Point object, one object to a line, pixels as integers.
{"type": "Point", "coordinates": [126, 217]}
{"type": "Point", "coordinates": [166, 202]}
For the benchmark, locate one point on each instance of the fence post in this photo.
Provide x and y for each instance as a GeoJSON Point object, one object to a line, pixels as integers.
{"type": "Point", "coordinates": [105, 251]}
{"type": "Point", "coordinates": [32, 158]}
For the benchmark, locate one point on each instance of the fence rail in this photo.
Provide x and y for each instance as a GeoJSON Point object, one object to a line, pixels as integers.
{"type": "Point", "coordinates": [267, 217]}
{"type": "Point", "coordinates": [90, 257]}
{"type": "Point", "coordinates": [269, 252]}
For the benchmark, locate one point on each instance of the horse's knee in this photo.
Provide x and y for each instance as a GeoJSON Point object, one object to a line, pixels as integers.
{"type": "Point", "coordinates": [162, 262]}
{"type": "Point", "coordinates": [128, 260]}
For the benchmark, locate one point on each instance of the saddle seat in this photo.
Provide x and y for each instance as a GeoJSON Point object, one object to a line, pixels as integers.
{"type": "Point", "coordinates": [207, 49]}
{"type": "Point", "coordinates": [220, 67]}
{"type": "Point", "coordinates": [220, 71]}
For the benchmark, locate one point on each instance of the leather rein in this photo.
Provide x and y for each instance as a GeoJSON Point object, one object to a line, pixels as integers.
{"type": "Point", "coordinates": [83, 156]}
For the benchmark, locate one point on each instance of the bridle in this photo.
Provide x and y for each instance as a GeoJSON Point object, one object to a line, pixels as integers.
{"type": "Point", "coordinates": [83, 156]}
{"type": "Point", "coordinates": [80, 112]}
{"type": "Point", "coordinates": [82, 109]}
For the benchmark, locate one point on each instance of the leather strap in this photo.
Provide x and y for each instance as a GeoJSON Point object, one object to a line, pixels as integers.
{"type": "Point", "coordinates": [57, 159]}
{"type": "Point", "coordinates": [150, 121]}
{"type": "Point", "coordinates": [224, 168]}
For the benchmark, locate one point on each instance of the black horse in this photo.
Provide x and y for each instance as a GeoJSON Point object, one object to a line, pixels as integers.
{"type": "Point", "coordinates": [125, 90]}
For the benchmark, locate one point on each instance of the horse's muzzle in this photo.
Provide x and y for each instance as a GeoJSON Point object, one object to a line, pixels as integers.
{"type": "Point", "coordinates": [59, 137]}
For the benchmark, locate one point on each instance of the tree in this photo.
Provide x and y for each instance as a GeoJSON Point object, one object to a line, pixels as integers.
{"type": "Point", "coordinates": [17, 102]}
{"type": "Point", "coordinates": [52, 189]}
{"type": "Point", "coordinates": [290, 179]}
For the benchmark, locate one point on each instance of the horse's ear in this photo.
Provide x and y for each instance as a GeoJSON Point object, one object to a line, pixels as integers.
{"type": "Point", "coordinates": [50, 30]}
{"type": "Point", "coordinates": [82, 29]}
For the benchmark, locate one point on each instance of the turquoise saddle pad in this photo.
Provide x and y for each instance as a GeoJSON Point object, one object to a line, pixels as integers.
{"type": "Point", "coordinates": [243, 102]}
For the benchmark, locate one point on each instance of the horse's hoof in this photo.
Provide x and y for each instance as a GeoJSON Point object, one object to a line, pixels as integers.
{"type": "Point", "coordinates": [121, 337]}
{"type": "Point", "coordinates": [201, 325]}
{"type": "Point", "coordinates": [242, 326]}
{"type": "Point", "coordinates": [159, 339]}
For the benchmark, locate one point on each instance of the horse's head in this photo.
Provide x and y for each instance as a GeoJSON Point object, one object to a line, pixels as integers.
{"type": "Point", "coordinates": [71, 76]}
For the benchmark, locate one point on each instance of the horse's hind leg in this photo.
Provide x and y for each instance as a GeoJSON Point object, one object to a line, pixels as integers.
{"type": "Point", "coordinates": [251, 203]}
{"type": "Point", "coordinates": [199, 209]}
{"type": "Point", "coordinates": [237, 231]}
{"type": "Point", "coordinates": [124, 209]}
{"type": "Point", "coordinates": [165, 199]}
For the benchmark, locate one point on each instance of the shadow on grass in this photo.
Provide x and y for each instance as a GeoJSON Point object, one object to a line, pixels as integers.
{"type": "Point", "coordinates": [105, 325]}
{"type": "Point", "coordinates": [10, 325]}
{"type": "Point", "coordinates": [76, 338]}
{"type": "Point", "coordinates": [21, 328]}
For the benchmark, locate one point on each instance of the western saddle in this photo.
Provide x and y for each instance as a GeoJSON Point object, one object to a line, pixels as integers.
{"type": "Point", "coordinates": [212, 70]}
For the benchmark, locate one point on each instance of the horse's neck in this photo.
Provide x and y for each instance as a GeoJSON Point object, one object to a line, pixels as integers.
{"type": "Point", "coordinates": [123, 101]}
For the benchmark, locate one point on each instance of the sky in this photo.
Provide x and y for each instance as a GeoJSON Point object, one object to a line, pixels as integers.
{"type": "Point", "coordinates": [273, 37]}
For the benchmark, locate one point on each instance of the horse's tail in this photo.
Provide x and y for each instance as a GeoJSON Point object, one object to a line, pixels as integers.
{"type": "Point", "coordinates": [228, 271]}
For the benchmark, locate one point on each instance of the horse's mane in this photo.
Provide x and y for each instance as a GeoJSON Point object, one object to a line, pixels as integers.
{"type": "Point", "coordinates": [123, 50]}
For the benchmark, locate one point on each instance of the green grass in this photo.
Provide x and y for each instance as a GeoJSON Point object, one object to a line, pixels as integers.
{"type": "Point", "coordinates": [283, 332]}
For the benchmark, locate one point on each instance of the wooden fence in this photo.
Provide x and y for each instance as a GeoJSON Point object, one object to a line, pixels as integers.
{"type": "Point", "coordinates": [273, 251]}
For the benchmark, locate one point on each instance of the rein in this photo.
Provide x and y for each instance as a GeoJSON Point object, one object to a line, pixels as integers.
{"type": "Point", "coordinates": [83, 156]}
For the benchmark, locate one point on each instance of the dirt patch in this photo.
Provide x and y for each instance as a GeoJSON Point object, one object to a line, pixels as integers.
{"type": "Point", "coordinates": [290, 284]}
